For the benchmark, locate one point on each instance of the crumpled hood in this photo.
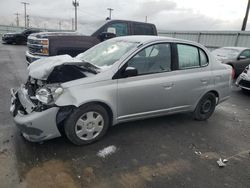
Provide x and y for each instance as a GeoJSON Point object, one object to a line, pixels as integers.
{"type": "Point", "coordinates": [41, 69]}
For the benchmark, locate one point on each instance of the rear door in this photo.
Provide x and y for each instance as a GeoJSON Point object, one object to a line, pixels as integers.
{"type": "Point", "coordinates": [193, 75]}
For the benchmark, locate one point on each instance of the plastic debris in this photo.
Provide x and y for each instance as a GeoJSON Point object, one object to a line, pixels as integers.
{"type": "Point", "coordinates": [197, 152]}
{"type": "Point", "coordinates": [221, 163]}
{"type": "Point", "coordinates": [225, 160]}
{"type": "Point", "coordinates": [107, 151]}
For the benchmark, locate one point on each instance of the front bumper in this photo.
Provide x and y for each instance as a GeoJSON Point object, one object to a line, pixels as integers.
{"type": "Point", "coordinates": [35, 126]}
{"type": "Point", "coordinates": [30, 58]}
{"type": "Point", "coordinates": [243, 81]}
{"type": "Point", "coordinates": [7, 39]}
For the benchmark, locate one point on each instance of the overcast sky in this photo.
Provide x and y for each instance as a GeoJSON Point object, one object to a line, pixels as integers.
{"type": "Point", "coordinates": [166, 14]}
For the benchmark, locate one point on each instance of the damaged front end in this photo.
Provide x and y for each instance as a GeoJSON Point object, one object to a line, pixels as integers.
{"type": "Point", "coordinates": [33, 104]}
{"type": "Point", "coordinates": [36, 121]}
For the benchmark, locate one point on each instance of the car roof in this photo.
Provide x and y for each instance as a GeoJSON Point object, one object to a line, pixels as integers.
{"type": "Point", "coordinates": [148, 38]}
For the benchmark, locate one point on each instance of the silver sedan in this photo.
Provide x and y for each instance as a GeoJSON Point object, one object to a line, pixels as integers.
{"type": "Point", "coordinates": [120, 80]}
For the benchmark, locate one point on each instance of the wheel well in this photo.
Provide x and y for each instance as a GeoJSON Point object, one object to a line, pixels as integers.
{"type": "Point", "coordinates": [216, 94]}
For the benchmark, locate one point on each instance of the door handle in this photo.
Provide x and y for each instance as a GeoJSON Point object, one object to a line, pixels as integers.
{"type": "Point", "coordinates": [204, 81]}
{"type": "Point", "coordinates": [168, 85]}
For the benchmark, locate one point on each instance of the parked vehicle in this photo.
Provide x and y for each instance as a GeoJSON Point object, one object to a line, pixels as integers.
{"type": "Point", "coordinates": [18, 37]}
{"type": "Point", "coordinates": [50, 44]}
{"type": "Point", "coordinates": [243, 81]}
{"type": "Point", "coordinates": [119, 80]}
{"type": "Point", "coordinates": [237, 57]}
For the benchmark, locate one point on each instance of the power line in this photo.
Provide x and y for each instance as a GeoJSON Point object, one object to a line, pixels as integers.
{"type": "Point", "coordinates": [75, 4]}
{"type": "Point", "coordinates": [25, 17]}
{"type": "Point", "coordinates": [244, 24]}
{"type": "Point", "coordinates": [110, 12]}
{"type": "Point", "coordinates": [17, 19]}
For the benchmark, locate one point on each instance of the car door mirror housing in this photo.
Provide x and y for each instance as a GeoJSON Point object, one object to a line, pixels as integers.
{"type": "Point", "coordinates": [111, 30]}
{"type": "Point", "coordinates": [106, 35]}
{"type": "Point", "coordinates": [242, 57]}
{"type": "Point", "coordinates": [130, 72]}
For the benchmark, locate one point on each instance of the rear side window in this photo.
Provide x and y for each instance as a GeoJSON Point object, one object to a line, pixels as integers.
{"type": "Point", "coordinates": [191, 57]}
{"type": "Point", "coordinates": [143, 29]}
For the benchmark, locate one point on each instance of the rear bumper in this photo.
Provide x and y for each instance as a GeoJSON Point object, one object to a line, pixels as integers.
{"type": "Point", "coordinates": [243, 81]}
{"type": "Point", "coordinates": [30, 57]}
{"type": "Point", "coordinates": [35, 126]}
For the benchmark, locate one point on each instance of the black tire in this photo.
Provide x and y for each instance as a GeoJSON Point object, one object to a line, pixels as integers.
{"type": "Point", "coordinates": [205, 107]}
{"type": "Point", "coordinates": [70, 123]}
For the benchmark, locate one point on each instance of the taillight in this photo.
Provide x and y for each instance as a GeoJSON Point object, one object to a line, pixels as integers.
{"type": "Point", "coordinates": [233, 73]}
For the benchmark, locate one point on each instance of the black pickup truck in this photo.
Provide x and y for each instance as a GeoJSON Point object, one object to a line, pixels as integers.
{"type": "Point", "coordinates": [46, 44]}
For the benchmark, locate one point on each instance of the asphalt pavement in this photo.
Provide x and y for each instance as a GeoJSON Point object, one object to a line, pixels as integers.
{"type": "Point", "coordinates": [171, 151]}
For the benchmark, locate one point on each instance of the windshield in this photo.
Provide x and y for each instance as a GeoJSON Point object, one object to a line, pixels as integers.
{"type": "Point", "coordinates": [107, 53]}
{"type": "Point", "coordinates": [226, 52]}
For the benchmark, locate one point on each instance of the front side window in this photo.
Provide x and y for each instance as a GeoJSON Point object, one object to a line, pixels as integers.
{"type": "Point", "coordinates": [121, 29]}
{"type": "Point", "coordinates": [152, 59]}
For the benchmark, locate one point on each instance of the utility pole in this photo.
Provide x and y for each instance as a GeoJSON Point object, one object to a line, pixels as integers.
{"type": "Point", "coordinates": [244, 24]}
{"type": "Point", "coordinates": [75, 4]}
{"type": "Point", "coordinates": [25, 21]}
{"type": "Point", "coordinates": [28, 21]}
{"type": "Point", "coordinates": [110, 12]}
{"type": "Point", "coordinates": [72, 24]}
{"type": "Point", "coordinates": [17, 19]}
{"type": "Point", "coordinates": [146, 19]}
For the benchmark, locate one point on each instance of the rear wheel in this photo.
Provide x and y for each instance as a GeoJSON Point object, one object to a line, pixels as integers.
{"type": "Point", "coordinates": [205, 107]}
{"type": "Point", "coordinates": [87, 124]}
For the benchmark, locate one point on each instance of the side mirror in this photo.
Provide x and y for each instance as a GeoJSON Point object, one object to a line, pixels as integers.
{"type": "Point", "coordinates": [242, 57]}
{"type": "Point", "coordinates": [130, 72]}
{"type": "Point", "coordinates": [111, 30]}
{"type": "Point", "coordinates": [105, 36]}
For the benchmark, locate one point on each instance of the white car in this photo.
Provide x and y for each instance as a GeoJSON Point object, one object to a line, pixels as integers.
{"type": "Point", "coordinates": [243, 81]}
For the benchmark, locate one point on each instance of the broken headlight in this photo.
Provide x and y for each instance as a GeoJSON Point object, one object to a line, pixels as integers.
{"type": "Point", "coordinates": [48, 95]}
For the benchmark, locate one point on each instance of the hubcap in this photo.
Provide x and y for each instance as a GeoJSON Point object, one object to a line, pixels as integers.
{"type": "Point", "coordinates": [89, 125]}
{"type": "Point", "coordinates": [206, 106]}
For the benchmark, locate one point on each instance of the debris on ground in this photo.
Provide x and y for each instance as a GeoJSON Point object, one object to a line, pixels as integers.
{"type": "Point", "coordinates": [3, 151]}
{"type": "Point", "coordinates": [222, 163]}
{"type": "Point", "coordinates": [107, 151]}
{"type": "Point", "coordinates": [225, 160]}
{"type": "Point", "coordinates": [197, 152]}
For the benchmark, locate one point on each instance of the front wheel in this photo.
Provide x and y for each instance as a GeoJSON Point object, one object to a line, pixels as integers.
{"type": "Point", "coordinates": [87, 124]}
{"type": "Point", "coordinates": [205, 107]}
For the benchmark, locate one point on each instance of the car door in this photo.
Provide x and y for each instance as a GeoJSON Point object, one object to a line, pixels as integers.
{"type": "Point", "coordinates": [150, 92]}
{"type": "Point", "coordinates": [241, 63]}
{"type": "Point", "coordinates": [193, 76]}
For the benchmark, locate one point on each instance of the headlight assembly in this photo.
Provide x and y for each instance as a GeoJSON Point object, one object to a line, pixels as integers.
{"type": "Point", "coordinates": [48, 95]}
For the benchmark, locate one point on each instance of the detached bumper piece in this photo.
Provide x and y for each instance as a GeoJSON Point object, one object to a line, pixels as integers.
{"type": "Point", "coordinates": [243, 81]}
{"type": "Point", "coordinates": [35, 126]}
